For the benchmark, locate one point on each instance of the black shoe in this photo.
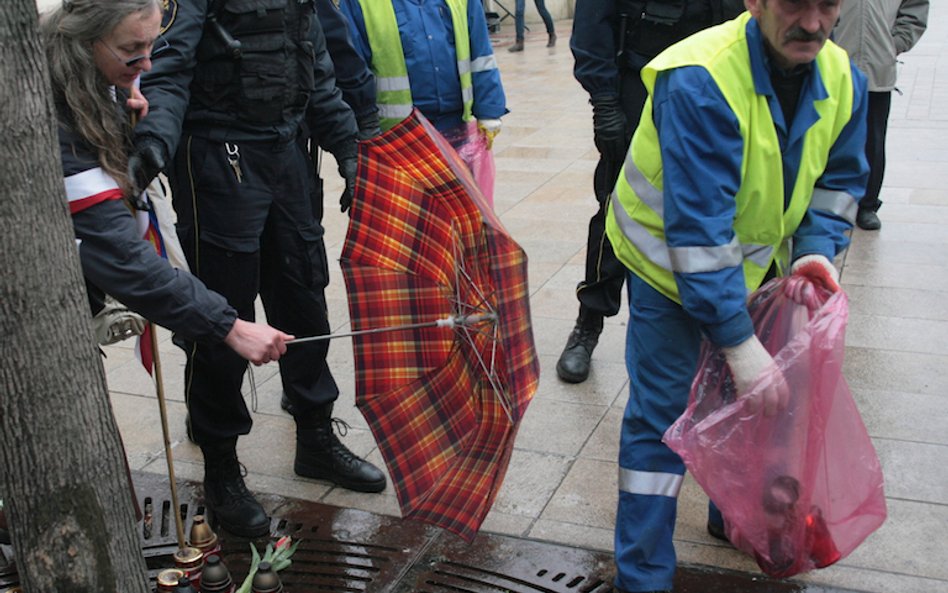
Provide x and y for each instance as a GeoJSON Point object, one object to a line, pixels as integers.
{"type": "Point", "coordinates": [573, 365]}
{"type": "Point", "coordinates": [552, 40]}
{"type": "Point", "coordinates": [286, 405]}
{"type": "Point", "coordinates": [716, 531]}
{"type": "Point", "coordinates": [518, 46]}
{"type": "Point", "coordinates": [868, 220]}
{"type": "Point", "coordinates": [226, 497]}
{"type": "Point", "coordinates": [321, 456]}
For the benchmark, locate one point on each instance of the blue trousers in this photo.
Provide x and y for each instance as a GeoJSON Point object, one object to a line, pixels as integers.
{"type": "Point", "coordinates": [520, 6]}
{"type": "Point", "coordinates": [662, 345]}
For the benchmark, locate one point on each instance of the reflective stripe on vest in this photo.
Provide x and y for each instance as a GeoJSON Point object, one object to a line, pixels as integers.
{"type": "Point", "coordinates": [635, 223]}
{"type": "Point", "coordinates": [649, 483]}
{"type": "Point", "coordinates": [836, 202]}
{"type": "Point", "coordinates": [391, 71]}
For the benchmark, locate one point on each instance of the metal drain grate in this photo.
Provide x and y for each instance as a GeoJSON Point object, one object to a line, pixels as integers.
{"type": "Point", "coordinates": [351, 551]}
{"type": "Point", "coordinates": [341, 550]}
{"type": "Point", "coordinates": [499, 564]}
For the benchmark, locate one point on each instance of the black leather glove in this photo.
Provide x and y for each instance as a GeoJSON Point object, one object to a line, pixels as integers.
{"type": "Point", "coordinates": [609, 128]}
{"type": "Point", "coordinates": [347, 169]}
{"type": "Point", "coordinates": [368, 125]}
{"type": "Point", "coordinates": [145, 162]}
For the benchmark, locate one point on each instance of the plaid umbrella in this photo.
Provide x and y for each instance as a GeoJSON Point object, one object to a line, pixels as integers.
{"type": "Point", "coordinates": [444, 395]}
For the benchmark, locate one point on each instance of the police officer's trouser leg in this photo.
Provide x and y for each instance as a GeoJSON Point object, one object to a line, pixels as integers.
{"type": "Point", "coordinates": [218, 228]}
{"type": "Point", "coordinates": [294, 276]}
{"type": "Point", "coordinates": [661, 357]}
{"type": "Point", "coordinates": [214, 373]}
{"type": "Point", "coordinates": [600, 291]}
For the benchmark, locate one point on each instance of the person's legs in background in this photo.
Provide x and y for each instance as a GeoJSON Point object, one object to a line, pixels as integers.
{"type": "Point", "coordinates": [600, 292]}
{"type": "Point", "coordinates": [877, 126]}
{"type": "Point", "coordinates": [547, 21]}
{"type": "Point", "coordinates": [519, 8]}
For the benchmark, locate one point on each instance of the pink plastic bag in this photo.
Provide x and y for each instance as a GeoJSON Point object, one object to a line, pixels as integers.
{"type": "Point", "coordinates": [471, 146]}
{"type": "Point", "coordinates": [802, 488]}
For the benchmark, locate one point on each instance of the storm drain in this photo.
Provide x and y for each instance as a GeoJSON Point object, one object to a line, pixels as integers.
{"type": "Point", "coordinates": [352, 551]}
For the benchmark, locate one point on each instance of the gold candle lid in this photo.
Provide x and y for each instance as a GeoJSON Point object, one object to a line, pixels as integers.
{"type": "Point", "coordinates": [188, 557]}
{"type": "Point", "coordinates": [169, 577]}
{"type": "Point", "coordinates": [202, 536]}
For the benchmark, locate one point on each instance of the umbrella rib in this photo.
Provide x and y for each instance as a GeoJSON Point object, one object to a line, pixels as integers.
{"type": "Point", "coordinates": [483, 304]}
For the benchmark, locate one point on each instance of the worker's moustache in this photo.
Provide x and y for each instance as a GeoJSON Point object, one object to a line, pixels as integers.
{"type": "Point", "coordinates": [798, 34]}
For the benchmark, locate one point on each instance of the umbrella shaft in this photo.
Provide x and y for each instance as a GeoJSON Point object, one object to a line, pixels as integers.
{"type": "Point", "coordinates": [447, 322]}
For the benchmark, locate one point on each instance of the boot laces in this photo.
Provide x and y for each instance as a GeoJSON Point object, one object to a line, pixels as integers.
{"type": "Point", "coordinates": [231, 487]}
{"type": "Point", "coordinates": [585, 336]}
{"type": "Point", "coordinates": [339, 450]}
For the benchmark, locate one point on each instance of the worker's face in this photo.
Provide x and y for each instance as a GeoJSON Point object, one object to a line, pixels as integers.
{"type": "Point", "coordinates": [795, 30]}
{"type": "Point", "coordinates": [126, 52]}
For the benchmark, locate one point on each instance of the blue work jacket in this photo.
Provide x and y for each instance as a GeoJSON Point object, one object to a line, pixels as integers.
{"type": "Point", "coordinates": [427, 37]}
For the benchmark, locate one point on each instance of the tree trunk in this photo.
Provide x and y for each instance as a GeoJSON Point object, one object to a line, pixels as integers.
{"type": "Point", "coordinates": [62, 472]}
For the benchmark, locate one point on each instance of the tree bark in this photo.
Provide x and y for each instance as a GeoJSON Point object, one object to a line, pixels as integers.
{"type": "Point", "coordinates": [62, 472]}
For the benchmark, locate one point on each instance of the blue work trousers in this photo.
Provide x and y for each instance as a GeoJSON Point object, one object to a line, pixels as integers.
{"type": "Point", "coordinates": [662, 345]}
{"type": "Point", "coordinates": [520, 6]}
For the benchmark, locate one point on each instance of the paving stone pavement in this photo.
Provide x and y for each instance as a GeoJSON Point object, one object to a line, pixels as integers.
{"type": "Point", "coordinates": [561, 485]}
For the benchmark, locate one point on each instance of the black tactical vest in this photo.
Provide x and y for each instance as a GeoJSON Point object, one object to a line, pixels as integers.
{"type": "Point", "coordinates": [255, 61]}
{"type": "Point", "coordinates": [653, 25]}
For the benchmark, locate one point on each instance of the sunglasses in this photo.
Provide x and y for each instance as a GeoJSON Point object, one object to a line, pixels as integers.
{"type": "Point", "coordinates": [160, 45]}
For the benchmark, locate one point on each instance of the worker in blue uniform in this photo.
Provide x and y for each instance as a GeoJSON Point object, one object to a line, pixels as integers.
{"type": "Point", "coordinates": [433, 55]}
{"type": "Point", "coordinates": [611, 41]}
{"type": "Point", "coordinates": [748, 160]}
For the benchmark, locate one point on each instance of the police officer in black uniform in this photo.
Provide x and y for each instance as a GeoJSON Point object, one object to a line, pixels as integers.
{"type": "Point", "coordinates": [234, 101]}
{"type": "Point", "coordinates": [611, 41]}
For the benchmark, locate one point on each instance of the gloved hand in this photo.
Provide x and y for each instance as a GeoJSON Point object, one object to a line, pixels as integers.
{"type": "Point", "coordinates": [145, 162]}
{"type": "Point", "coordinates": [750, 362]}
{"type": "Point", "coordinates": [347, 169]}
{"type": "Point", "coordinates": [490, 128]}
{"type": "Point", "coordinates": [609, 128]}
{"type": "Point", "coordinates": [819, 270]}
{"type": "Point", "coordinates": [368, 125]}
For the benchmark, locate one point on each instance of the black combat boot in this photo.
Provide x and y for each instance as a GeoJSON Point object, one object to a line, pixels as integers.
{"type": "Point", "coordinates": [573, 365]}
{"type": "Point", "coordinates": [225, 494]}
{"type": "Point", "coordinates": [321, 456]}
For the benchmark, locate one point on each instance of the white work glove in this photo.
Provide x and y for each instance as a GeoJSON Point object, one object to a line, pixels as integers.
{"type": "Point", "coordinates": [751, 365]}
{"type": "Point", "coordinates": [818, 270]}
{"type": "Point", "coordinates": [490, 128]}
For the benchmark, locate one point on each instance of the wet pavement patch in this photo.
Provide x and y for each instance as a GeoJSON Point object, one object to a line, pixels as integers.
{"type": "Point", "coordinates": [352, 551]}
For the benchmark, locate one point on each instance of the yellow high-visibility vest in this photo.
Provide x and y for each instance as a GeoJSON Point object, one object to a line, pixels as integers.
{"type": "Point", "coordinates": [388, 59]}
{"type": "Point", "coordinates": [762, 225]}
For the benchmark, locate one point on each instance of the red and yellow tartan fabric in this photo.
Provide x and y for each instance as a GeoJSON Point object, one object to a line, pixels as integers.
{"type": "Point", "coordinates": [443, 403]}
